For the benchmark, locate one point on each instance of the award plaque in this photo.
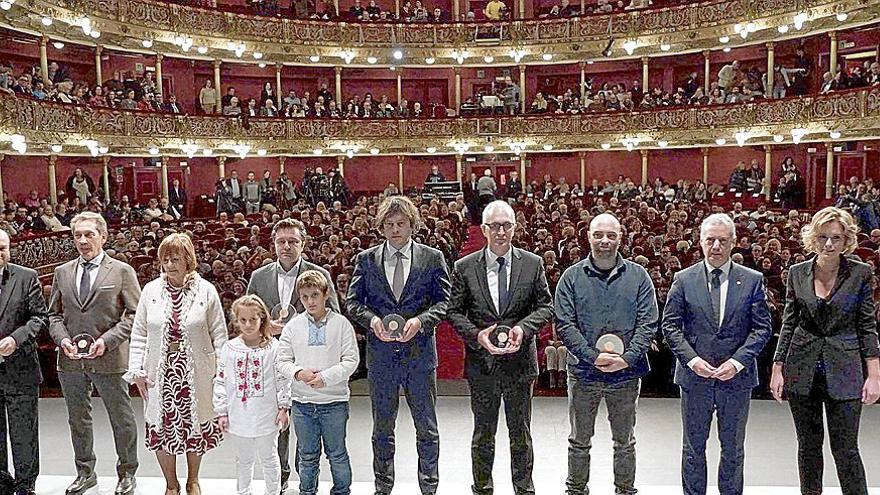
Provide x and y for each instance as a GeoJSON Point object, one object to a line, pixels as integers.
{"type": "Point", "coordinates": [500, 336]}
{"type": "Point", "coordinates": [83, 343]}
{"type": "Point", "coordinates": [394, 324]}
{"type": "Point", "coordinates": [283, 313]}
{"type": "Point", "coordinates": [610, 343]}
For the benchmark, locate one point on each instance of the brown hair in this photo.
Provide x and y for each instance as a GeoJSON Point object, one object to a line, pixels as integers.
{"type": "Point", "coordinates": [312, 279]}
{"type": "Point", "coordinates": [179, 244]}
{"type": "Point", "coordinates": [253, 301]}
{"type": "Point", "coordinates": [397, 204]}
{"type": "Point", "coordinates": [289, 223]}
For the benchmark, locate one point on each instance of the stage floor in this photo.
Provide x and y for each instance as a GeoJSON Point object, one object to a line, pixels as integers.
{"type": "Point", "coordinates": [770, 451]}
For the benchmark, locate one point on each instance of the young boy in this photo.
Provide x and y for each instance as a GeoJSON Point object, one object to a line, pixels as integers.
{"type": "Point", "coordinates": [319, 353]}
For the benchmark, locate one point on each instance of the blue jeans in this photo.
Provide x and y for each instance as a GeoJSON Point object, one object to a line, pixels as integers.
{"type": "Point", "coordinates": [313, 424]}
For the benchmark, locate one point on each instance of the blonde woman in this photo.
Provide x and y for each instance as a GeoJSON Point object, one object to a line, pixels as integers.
{"type": "Point", "coordinates": [828, 355]}
{"type": "Point", "coordinates": [208, 98]}
{"type": "Point", "coordinates": [178, 328]}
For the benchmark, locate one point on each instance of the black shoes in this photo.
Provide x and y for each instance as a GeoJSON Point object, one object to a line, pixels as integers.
{"type": "Point", "coordinates": [81, 484]}
{"type": "Point", "coordinates": [125, 486]}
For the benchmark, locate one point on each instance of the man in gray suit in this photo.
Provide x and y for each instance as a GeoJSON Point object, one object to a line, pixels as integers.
{"type": "Point", "coordinates": [22, 317]}
{"type": "Point", "coordinates": [500, 285]}
{"type": "Point", "coordinates": [276, 282]}
{"type": "Point", "coordinates": [96, 295]}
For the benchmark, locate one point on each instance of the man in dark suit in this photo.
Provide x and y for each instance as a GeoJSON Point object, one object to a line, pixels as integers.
{"type": "Point", "coordinates": [276, 282]}
{"type": "Point", "coordinates": [716, 322]}
{"type": "Point", "coordinates": [500, 285]}
{"type": "Point", "coordinates": [22, 316]}
{"type": "Point", "coordinates": [97, 295]}
{"type": "Point", "coordinates": [177, 198]}
{"type": "Point", "coordinates": [171, 106]}
{"type": "Point", "coordinates": [403, 277]}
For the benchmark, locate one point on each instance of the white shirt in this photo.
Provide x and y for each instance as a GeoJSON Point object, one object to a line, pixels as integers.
{"type": "Point", "coordinates": [391, 261]}
{"type": "Point", "coordinates": [492, 273]}
{"type": "Point", "coordinates": [725, 277]}
{"type": "Point", "coordinates": [287, 282]}
{"type": "Point", "coordinates": [93, 273]}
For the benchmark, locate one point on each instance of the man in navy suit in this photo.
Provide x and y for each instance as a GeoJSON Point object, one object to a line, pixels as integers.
{"type": "Point", "coordinates": [716, 321]}
{"type": "Point", "coordinates": [401, 276]}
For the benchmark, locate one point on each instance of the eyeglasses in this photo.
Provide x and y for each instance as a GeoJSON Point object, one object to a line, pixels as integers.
{"type": "Point", "coordinates": [496, 227]}
{"type": "Point", "coordinates": [835, 239]}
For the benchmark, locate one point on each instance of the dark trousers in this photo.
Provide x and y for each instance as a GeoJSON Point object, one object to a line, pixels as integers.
{"type": "Point", "coordinates": [843, 430]}
{"type": "Point", "coordinates": [487, 392]}
{"type": "Point", "coordinates": [420, 390]}
{"type": "Point", "coordinates": [583, 406]}
{"type": "Point", "coordinates": [20, 409]}
{"type": "Point", "coordinates": [698, 406]}
{"type": "Point", "coordinates": [284, 454]}
{"type": "Point", "coordinates": [77, 390]}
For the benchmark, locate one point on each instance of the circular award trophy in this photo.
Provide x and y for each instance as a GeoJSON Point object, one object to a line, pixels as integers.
{"type": "Point", "coordinates": [500, 336]}
{"type": "Point", "coordinates": [283, 313]}
{"type": "Point", "coordinates": [394, 324]}
{"type": "Point", "coordinates": [610, 343]}
{"type": "Point", "coordinates": [83, 343]}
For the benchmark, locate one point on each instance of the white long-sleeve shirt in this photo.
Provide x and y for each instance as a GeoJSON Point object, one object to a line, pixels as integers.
{"type": "Point", "coordinates": [328, 346]}
{"type": "Point", "coordinates": [249, 389]}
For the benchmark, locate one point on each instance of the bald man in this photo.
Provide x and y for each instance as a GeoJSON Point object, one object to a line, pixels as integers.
{"type": "Point", "coordinates": [604, 295]}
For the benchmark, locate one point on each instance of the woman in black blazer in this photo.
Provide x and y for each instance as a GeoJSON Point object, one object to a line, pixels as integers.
{"type": "Point", "coordinates": [828, 355]}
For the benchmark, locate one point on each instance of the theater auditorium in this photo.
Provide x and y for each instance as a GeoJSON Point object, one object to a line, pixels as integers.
{"type": "Point", "coordinates": [422, 247]}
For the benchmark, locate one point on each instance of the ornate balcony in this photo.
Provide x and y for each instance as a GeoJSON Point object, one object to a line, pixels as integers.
{"type": "Point", "coordinates": [855, 114]}
{"type": "Point", "coordinates": [210, 34]}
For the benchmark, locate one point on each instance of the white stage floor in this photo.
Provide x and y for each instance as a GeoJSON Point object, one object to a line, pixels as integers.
{"type": "Point", "coordinates": [770, 451]}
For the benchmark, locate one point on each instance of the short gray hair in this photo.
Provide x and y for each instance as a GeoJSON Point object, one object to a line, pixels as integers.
{"type": "Point", "coordinates": [498, 204]}
{"type": "Point", "coordinates": [89, 216]}
{"type": "Point", "coordinates": [718, 219]}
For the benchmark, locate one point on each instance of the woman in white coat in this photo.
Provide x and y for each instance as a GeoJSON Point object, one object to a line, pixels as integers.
{"type": "Point", "coordinates": [178, 328]}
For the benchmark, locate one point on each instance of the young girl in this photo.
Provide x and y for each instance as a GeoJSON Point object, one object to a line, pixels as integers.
{"type": "Point", "coordinates": [252, 400]}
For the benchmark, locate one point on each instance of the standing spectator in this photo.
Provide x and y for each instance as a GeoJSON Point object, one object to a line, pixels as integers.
{"type": "Point", "coordinates": [80, 185]}
{"type": "Point", "coordinates": [738, 178]}
{"type": "Point", "coordinates": [178, 328]}
{"type": "Point", "coordinates": [727, 75]}
{"type": "Point", "coordinates": [486, 188]}
{"type": "Point", "coordinates": [177, 198]}
{"type": "Point", "coordinates": [208, 98]}
{"type": "Point", "coordinates": [251, 194]}
{"type": "Point", "coordinates": [803, 67]}
{"type": "Point", "coordinates": [95, 295]}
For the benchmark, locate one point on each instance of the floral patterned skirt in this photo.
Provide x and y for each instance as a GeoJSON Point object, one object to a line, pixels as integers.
{"type": "Point", "coordinates": [175, 434]}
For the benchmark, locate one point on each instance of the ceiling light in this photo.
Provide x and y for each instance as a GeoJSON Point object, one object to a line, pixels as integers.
{"type": "Point", "coordinates": [5, 5]}
{"type": "Point", "coordinates": [778, 138]}
{"type": "Point", "coordinates": [153, 151]}
{"type": "Point", "coordinates": [21, 146]}
{"type": "Point", "coordinates": [489, 59]}
{"type": "Point", "coordinates": [231, 46]}
{"type": "Point", "coordinates": [799, 20]}
{"type": "Point", "coordinates": [429, 60]}
{"type": "Point", "coordinates": [798, 133]}
{"type": "Point", "coordinates": [317, 151]}
{"type": "Point", "coordinates": [261, 65]}
{"type": "Point", "coordinates": [489, 148]}
{"type": "Point", "coordinates": [737, 27]}
{"type": "Point", "coordinates": [606, 146]}
{"type": "Point", "coordinates": [349, 153]}
{"type": "Point", "coordinates": [726, 49]}
{"type": "Point", "coordinates": [374, 151]}
{"type": "Point", "coordinates": [834, 134]}
{"type": "Point", "coordinates": [258, 55]}
{"type": "Point", "coordinates": [724, 39]}
{"type": "Point", "coordinates": [548, 147]}
{"type": "Point", "coordinates": [372, 60]}
{"type": "Point", "coordinates": [741, 138]}
{"type": "Point", "coordinates": [547, 57]}
{"type": "Point", "coordinates": [261, 152]}
{"type": "Point", "coordinates": [95, 34]}
{"type": "Point", "coordinates": [202, 49]}
{"type": "Point", "coordinates": [720, 141]}
{"type": "Point", "coordinates": [751, 27]}
{"type": "Point", "coordinates": [516, 55]}
{"type": "Point", "coordinates": [431, 149]}
{"type": "Point", "coordinates": [47, 21]}
{"type": "Point", "coordinates": [239, 53]}
{"type": "Point", "coordinates": [189, 149]}
{"type": "Point", "coordinates": [589, 62]}
{"type": "Point", "coordinates": [103, 149]}
{"type": "Point", "coordinates": [662, 144]}
{"type": "Point", "coordinates": [744, 34]}
{"type": "Point", "coordinates": [315, 58]}
{"type": "Point", "coordinates": [397, 54]}
{"type": "Point", "coordinates": [629, 46]}
{"type": "Point", "coordinates": [147, 43]}
{"type": "Point", "coordinates": [207, 151]}
{"type": "Point", "coordinates": [665, 47]}
{"type": "Point", "coordinates": [56, 148]}
{"type": "Point", "coordinates": [782, 29]}
{"type": "Point", "coordinates": [842, 16]}
{"type": "Point", "coordinates": [58, 45]}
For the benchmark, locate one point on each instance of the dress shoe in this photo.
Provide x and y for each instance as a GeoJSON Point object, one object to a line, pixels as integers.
{"type": "Point", "coordinates": [284, 486]}
{"type": "Point", "coordinates": [26, 491]}
{"type": "Point", "coordinates": [126, 486]}
{"type": "Point", "coordinates": [81, 484]}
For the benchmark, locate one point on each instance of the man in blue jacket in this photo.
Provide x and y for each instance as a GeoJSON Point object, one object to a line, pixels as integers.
{"type": "Point", "coordinates": [604, 294]}
{"type": "Point", "coordinates": [403, 277]}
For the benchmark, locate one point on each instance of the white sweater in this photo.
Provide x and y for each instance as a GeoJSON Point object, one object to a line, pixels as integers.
{"type": "Point", "coordinates": [336, 358]}
{"type": "Point", "coordinates": [249, 389]}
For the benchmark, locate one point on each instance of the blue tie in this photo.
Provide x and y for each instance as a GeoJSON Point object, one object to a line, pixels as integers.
{"type": "Point", "coordinates": [502, 286]}
{"type": "Point", "coordinates": [85, 283]}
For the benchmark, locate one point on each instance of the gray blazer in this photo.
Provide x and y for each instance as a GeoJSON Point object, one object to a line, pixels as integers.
{"type": "Point", "coordinates": [107, 313]}
{"type": "Point", "coordinates": [22, 316]}
{"type": "Point", "coordinates": [264, 283]}
{"type": "Point", "coordinates": [843, 338]}
{"type": "Point", "coordinates": [471, 309]}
